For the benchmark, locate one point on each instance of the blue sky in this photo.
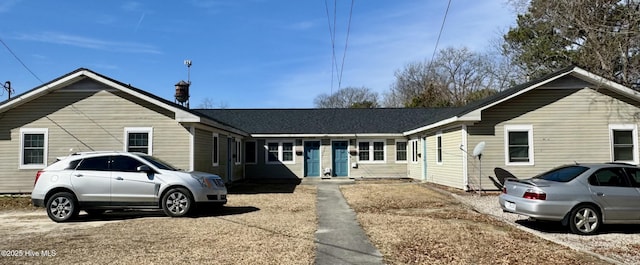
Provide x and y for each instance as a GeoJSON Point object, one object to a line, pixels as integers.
{"type": "Point", "coordinates": [245, 53]}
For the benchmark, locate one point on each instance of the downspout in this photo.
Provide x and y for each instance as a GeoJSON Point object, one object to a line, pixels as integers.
{"type": "Point", "coordinates": [465, 156]}
{"type": "Point", "coordinates": [192, 136]}
{"type": "Point", "coordinates": [424, 158]}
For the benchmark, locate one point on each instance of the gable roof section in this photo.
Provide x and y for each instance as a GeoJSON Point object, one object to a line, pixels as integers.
{"type": "Point", "coordinates": [182, 114]}
{"type": "Point", "coordinates": [472, 111]}
{"type": "Point", "coordinates": [323, 122]}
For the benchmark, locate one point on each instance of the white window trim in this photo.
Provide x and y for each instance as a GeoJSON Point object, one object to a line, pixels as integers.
{"type": "Point", "coordinates": [24, 131]}
{"type": "Point", "coordinates": [255, 152]}
{"type": "Point", "coordinates": [628, 127]}
{"type": "Point", "coordinates": [406, 151]}
{"type": "Point", "coordinates": [518, 128]}
{"type": "Point", "coordinates": [371, 161]}
{"type": "Point", "coordinates": [128, 130]}
{"type": "Point", "coordinates": [238, 152]}
{"type": "Point", "coordinates": [280, 152]}
{"type": "Point", "coordinates": [439, 158]}
{"type": "Point", "coordinates": [215, 150]}
{"type": "Point", "coordinates": [414, 146]}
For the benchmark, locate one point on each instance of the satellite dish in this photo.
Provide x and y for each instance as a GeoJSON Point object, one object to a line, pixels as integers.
{"type": "Point", "coordinates": [477, 151]}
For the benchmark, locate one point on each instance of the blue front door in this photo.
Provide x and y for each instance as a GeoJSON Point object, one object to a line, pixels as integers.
{"type": "Point", "coordinates": [312, 159]}
{"type": "Point", "coordinates": [340, 159]}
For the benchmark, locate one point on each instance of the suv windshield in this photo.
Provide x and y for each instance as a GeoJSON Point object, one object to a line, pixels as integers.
{"type": "Point", "coordinates": [562, 174]}
{"type": "Point", "coordinates": [158, 163]}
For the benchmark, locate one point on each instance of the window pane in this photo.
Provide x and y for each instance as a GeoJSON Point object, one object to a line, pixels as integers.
{"type": "Point", "coordinates": [622, 145]}
{"type": "Point", "coordinates": [272, 149]}
{"type": "Point", "coordinates": [250, 152]}
{"type": "Point", "coordinates": [623, 137]}
{"type": "Point", "coordinates": [518, 146]}
{"type": "Point", "coordinates": [401, 151]}
{"type": "Point", "coordinates": [518, 138]}
{"type": "Point", "coordinates": [138, 142]}
{"type": "Point", "coordinates": [378, 151]}
{"type": "Point", "coordinates": [287, 151]}
{"type": "Point", "coordinates": [33, 152]}
{"type": "Point", "coordinates": [363, 151]}
{"type": "Point", "coordinates": [214, 155]}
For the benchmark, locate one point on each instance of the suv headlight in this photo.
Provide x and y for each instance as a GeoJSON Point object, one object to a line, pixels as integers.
{"type": "Point", "coordinates": [204, 182]}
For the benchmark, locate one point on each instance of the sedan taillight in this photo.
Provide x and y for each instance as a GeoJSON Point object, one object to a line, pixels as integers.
{"type": "Point", "coordinates": [37, 177]}
{"type": "Point", "coordinates": [534, 195]}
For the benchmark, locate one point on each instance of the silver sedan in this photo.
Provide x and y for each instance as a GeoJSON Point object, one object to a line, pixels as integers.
{"type": "Point", "coordinates": [582, 196]}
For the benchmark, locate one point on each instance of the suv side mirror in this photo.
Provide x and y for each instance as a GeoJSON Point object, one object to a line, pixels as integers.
{"type": "Point", "coordinates": [144, 168]}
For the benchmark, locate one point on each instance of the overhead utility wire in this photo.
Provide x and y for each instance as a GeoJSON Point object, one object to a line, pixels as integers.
{"type": "Point", "coordinates": [439, 35]}
{"type": "Point", "coordinates": [332, 34]}
{"type": "Point", "coordinates": [21, 62]}
{"type": "Point", "coordinates": [346, 45]}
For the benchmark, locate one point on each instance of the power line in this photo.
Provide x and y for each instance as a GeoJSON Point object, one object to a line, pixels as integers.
{"type": "Point", "coordinates": [21, 62]}
{"type": "Point", "coordinates": [346, 44]}
{"type": "Point", "coordinates": [439, 35]}
{"type": "Point", "coordinates": [332, 34]}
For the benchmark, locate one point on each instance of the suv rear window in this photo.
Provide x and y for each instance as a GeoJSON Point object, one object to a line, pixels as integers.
{"type": "Point", "coordinates": [562, 174]}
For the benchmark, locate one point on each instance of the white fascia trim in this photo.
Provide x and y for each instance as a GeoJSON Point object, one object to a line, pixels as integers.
{"type": "Point", "coordinates": [17, 101]}
{"type": "Point", "coordinates": [431, 126]}
{"type": "Point", "coordinates": [220, 126]}
{"type": "Point", "coordinates": [192, 147]}
{"type": "Point", "coordinates": [352, 135]}
{"type": "Point", "coordinates": [607, 83]}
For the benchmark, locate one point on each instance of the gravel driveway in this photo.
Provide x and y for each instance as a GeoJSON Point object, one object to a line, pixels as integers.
{"type": "Point", "coordinates": [616, 243]}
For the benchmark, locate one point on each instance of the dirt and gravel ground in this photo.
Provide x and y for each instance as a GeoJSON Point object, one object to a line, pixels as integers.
{"type": "Point", "coordinates": [410, 223]}
{"type": "Point", "coordinates": [273, 228]}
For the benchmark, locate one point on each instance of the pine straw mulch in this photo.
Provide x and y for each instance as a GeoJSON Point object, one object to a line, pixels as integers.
{"type": "Point", "coordinates": [411, 223]}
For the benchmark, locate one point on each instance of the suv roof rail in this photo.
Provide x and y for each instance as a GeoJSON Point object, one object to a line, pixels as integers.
{"type": "Point", "coordinates": [621, 163]}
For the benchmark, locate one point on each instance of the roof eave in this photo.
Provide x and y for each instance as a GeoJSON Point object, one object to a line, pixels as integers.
{"type": "Point", "coordinates": [325, 135]}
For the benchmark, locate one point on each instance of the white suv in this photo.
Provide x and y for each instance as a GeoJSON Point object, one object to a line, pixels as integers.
{"type": "Point", "coordinates": [99, 181]}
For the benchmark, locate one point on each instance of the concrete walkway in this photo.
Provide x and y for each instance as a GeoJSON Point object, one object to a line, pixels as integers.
{"type": "Point", "coordinates": [340, 239]}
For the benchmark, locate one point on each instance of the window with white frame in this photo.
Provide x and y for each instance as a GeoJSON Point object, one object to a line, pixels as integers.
{"type": "Point", "coordinates": [624, 142]}
{"type": "Point", "coordinates": [280, 152]}
{"type": "Point", "coordinates": [215, 150]}
{"type": "Point", "coordinates": [138, 139]}
{"type": "Point", "coordinates": [371, 151]}
{"type": "Point", "coordinates": [237, 152]}
{"type": "Point", "coordinates": [401, 151]}
{"type": "Point", "coordinates": [250, 152]}
{"type": "Point", "coordinates": [414, 150]}
{"type": "Point", "coordinates": [439, 147]}
{"type": "Point", "coordinates": [33, 148]}
{"type": "Point", "coordinates": [518, 144]}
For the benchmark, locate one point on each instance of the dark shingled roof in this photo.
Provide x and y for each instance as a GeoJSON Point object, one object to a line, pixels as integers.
{"type": "Point", "coordinates": [328, 121]}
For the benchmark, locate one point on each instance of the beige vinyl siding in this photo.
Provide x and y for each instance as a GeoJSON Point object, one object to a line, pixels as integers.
{"type": "Point", "coordinates": [264, 170]}
{"type": "Point", "coordinates": [389, 168]}
{"type": "Point", "coordinates": [85, 121]}
{"type": "Point", "coordinates": [569, 125]}
{"type": "Point", "coordinates": [450, 172]}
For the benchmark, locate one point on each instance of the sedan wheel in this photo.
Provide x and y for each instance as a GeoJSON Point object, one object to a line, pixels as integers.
{"type": "Point", "coordinates": [585, 220]}
{"type": "Point", "coordinates": [177, 202]}
{"type": "Point", "coordinates": [62, 206]}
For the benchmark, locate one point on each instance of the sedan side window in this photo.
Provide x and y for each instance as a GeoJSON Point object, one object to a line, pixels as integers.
{"type": "Point", "coordinates": [100, 163]}
{"type": "Point", "coordinates": [634, 175]}
{"type": "Point", "coordinates": [611, 177]}
{"type": "Point", "coordinates": [125, 163]}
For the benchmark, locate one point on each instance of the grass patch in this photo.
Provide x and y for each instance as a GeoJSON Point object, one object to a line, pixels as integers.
{"type": "Point", "coordinates": [413, 224]}
{"type": "Point", "coordinates": [16, 203]}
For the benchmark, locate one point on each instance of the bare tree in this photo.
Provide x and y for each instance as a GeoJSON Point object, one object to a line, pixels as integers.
{"type": "Point", "coordinates": [348, 97]}
{"type": "Point", "coordinates": [452, 79]}
{"type": "Point", "coordinates": [207, 103]}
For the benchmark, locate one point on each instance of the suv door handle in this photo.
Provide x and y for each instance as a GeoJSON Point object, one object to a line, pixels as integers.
{"type": "Point", "coordinates": [78, 175]}
{"type": "Point", "coordinates": [119, 178]}
{"type": "Point", "coordinates": [600, 194]}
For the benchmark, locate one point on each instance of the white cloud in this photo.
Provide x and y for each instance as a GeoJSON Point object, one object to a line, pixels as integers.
{"type": "Point", "coordinates": [89, 43]}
